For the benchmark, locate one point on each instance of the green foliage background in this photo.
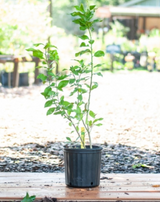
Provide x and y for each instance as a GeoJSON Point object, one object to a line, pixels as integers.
{"type": "Point", "coordinates": [23, 22]}
{"type": "Point", "coordinates": [61, 12]}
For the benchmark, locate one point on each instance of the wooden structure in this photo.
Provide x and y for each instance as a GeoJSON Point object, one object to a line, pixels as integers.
{"type": "Point", "coordinates": [139, 15]}
{"type": "Point", "coordinates": [113, 187]}
{"type": "Point", "coordinates": [15, 60]}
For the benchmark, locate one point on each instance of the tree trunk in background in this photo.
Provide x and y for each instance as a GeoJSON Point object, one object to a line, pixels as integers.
{"type": "Point", "coordinates": [50, 14]}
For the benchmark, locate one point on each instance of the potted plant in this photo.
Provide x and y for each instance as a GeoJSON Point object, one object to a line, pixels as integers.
{"type": "Point", "coordinates": [82, 162]}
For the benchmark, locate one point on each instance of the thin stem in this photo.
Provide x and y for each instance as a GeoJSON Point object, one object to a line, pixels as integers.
{"type": "Point", "coordinates": [89, 97]}
{"type": "Point", "coordinates": [75, 128]}
{"type": "Point", "coordinates": [85, 126]}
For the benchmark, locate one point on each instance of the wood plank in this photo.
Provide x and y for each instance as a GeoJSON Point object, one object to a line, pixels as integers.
{"type": "Point", "coordinates": [110, 189]}
{"type": "Point", "coordinates": [60, 178]}
{"type": "Point", "coordinates": [134, 186]}
{"type": "Point", "coordinates": [15, 73]}
{"type": "Point", "coordinates": [13, 186]}
{"type": "Point", "coordinates": [137, 177]}
{"type": "Point", "coordinates": [138, 185]}
{"type": "Point", "coordinates": [68, 195]}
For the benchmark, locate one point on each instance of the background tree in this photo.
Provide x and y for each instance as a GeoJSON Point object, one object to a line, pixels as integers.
{"type": "Point", "coordinates": [61, 12]}
{"type": "Point", "coordinates": [21, 23]}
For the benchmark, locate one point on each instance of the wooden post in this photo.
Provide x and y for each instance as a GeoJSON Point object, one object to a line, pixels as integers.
{"type": "Point", "coordinates": [132, 29]}
{"type": "Point", "coordinates": [9, 79]}
{"type": "Point", "coordinates": [144, 24]}
{"type": "Point", "coordinates": [15, 73]}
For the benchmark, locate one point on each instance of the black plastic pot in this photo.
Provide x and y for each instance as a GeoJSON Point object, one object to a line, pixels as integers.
{"type": "Point", "coordinates": [82, 166]}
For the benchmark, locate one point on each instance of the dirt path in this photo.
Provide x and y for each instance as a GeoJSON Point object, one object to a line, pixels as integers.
{"type": "Point", "coordinates": [128, 102]}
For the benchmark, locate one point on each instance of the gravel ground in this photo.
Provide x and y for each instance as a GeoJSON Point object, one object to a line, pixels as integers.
{"type": "Point", "coordinates": [129, 102]}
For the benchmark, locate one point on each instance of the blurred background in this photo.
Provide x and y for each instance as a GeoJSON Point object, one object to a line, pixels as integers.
{"type": "Point", "coordinates": [128, 97]}
{"type": "Point", "coordinates": [129, 34]}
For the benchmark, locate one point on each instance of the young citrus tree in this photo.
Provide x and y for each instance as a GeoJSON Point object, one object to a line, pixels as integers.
{"type": "Point", "coordinates": [80, 78]}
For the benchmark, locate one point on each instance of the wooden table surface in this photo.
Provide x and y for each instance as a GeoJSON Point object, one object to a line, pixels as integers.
{"type": "Point", "coordinates": [113, 187]}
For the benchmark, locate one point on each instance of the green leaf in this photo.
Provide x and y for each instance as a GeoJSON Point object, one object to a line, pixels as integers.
{"type": "Point", "coordinates": [83, 45]}
{"type": "Point", "coordinates": [69, 111]}
{"type": "Point", "coordinates": [99, 53]}
{"type": "Point", "coordinates": [84, 37]}
{"type": "Point", "coordinates": [70, 123]}
{"type": "Point", "coordinates": [71, 81]}
{"type": "Point", "coordinates": [82, 90]}
{"type": "Point", "coordinates": [99, 124]}
{"type": "Point", "coordinates": [51, 73]}
{"type": "Point", "coordinates": [62, 84]}
{"type": "Point", "coordinates": [28, 198]}
{"type": "Point", "coordinates": [98, 65]}
{"type": "Point", "coordinates": [82, 8]}
{"type": "Point", "coordinates": [50, 110]}
{"type": "Point", "coordinates": [91, 41]}
{"type": "Point", "coordinates": [100, 119]}
{"type": "Point", "coordinates": [92, 114]}
{"type": "Point", "coordinates": [62, 77]}
{"type": "Point", "coordinates": [78, 110]}
{"type": "Point", "coordinates": [80, 103]}
{"type": "Point", "coordinates": [75, 69]}
{"type": "Point", "coordinates": [77, 8]}
{"type": "Point", "coordinates": [83, 28]}
{"type": "Point", "coordinates": [80, 97]}
{"type": "Point", "coordinates": [38, 67]}
{"type": "Point", "coordinates": [60, 112]}
{"type": "Point", "coordinates": [66, 103]}
{"type": "Point", "coordinates": [92, 7]}
{"type": "Point", "coordinates": [99, 74]}
{"type": "Point", "coordinates": [69, 139]}
{"type": "Point", "coordinates": [62, 98]}
{"type": "Point", "coordinates": [94, 86]}
{"type": "Point", "coordinates": [96, 20]}
{"type": "Point", "coordinates": [77, 128]}
{"type": "Point", "coordinates": [31, 49]}
{"type": "Point", "coordinates": [87, 85]}
{"type": "Point", "coordinates": [48, 45]}
{"type": "Point", "coordinates": [38, 44]}
{"type": "Point", "coordinates": [48, 103]}
{"type": "Point", "coordinates": [52, 93]}
{"type": "Point", "coordinates": [38, 54]}
{"type": "Point", "coordinates": [81, 62]}
{"type": "Point", "coordinates": [77, 21]}
{"type": "Point", "coordinates": [73, 92]}
{"type": "Point", "coordinates": [82, 52]}
{"type": "Point", "coordinates": [42, 77]}
{"type": "Point", "coordinates": [87, 71]}
{"type": "Point", "coordinates": [76, 14]}
{"type": "Point", "coordinates": [140, 165]}
{"type": "Point", "coordinates": [46, 92]}
{"type": "Point", "coordinates": [53, 55]}
{"type": "Point", "coordinates": [90, 123]}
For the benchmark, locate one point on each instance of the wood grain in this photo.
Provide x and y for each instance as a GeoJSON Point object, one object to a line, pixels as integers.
{"type": "Point", "coordinates": [115, 187]}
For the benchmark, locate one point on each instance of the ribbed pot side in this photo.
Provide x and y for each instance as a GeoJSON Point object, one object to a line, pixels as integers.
{"type": "Point", "coordinates": [82, 166]}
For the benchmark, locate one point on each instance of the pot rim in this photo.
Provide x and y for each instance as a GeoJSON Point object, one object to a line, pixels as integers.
{"type": "Point", "coordinates": [79, 150]}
